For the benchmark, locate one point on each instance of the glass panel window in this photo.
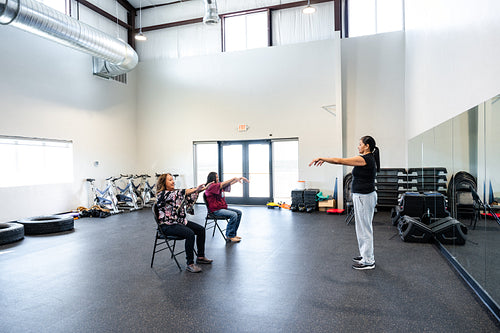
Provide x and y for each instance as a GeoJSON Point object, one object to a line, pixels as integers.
{"type": "Point", "coordinates": [233, 167]}
{"type": "Point", "coordinates": [248, 31]}
{"type": "Point", "coordinates": [27, 161]}
{"type": "Point", "coordinates": [362, 17]}
{"type": "Point", "coordinates": [285, 169]}
{"type": "Point", "coordinates": [207, 160]}
{"type": "Point", "coordinates": [258, 167]}
{"type": "Point", "coordinates": [59, 5]}
{"type": "Point", "coordinates": [368, 17]}
{"type": "Point", "coordinates": [389, 15]}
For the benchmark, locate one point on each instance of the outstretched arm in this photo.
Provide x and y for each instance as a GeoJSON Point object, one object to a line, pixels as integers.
{"type": "Point", "coordinates": [233, 181]}
{"type": "Point", "coordinates": [352, 161]}
{"type": "Point", "coordinates": [198, 189]}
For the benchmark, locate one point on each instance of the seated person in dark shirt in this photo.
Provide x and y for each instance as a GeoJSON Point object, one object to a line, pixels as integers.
{"type": "Point", "coordinates": [217, 203]}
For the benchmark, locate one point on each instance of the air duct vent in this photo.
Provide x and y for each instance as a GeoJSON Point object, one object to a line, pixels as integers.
{"type": "Point", "coordinates": [117, 56]}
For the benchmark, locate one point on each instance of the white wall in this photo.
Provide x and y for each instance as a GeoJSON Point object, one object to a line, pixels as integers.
{"type": "Point", "coordinates": [48, 91]}
{"type": "Point", "coordinates": [373, 95]}
{"type": "Point", "coordinates": [277, 91]}
{"type": "Point", "coordinates": [452, 59]}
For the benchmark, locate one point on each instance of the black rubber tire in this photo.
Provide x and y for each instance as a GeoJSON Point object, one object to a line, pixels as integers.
{"type": "Point", "coordinates": [46, 224]}
{"type": "Point", "coordinates": [13, 233]}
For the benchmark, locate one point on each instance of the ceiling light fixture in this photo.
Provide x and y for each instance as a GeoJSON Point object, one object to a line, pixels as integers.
{"type": "Point", "coordinates": [140, 36]}
{"type": "Point", "coordinates": [309, 9]}
{"type": "Point", "coordinates": [211, 15]}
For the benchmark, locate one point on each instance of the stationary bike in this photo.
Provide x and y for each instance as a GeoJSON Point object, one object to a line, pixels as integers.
{"type": "Point", "coordinates": [127, 198]}
{"type": "Point", "coordinates": [105, 198]}
{"type": "Point", "coordinates": [147, 192]}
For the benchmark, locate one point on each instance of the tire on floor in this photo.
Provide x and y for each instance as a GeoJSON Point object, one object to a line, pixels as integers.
{"type": "Point", "coordinates": [46, 224]}
{"type": "Point", "coordinates": [11, 232]}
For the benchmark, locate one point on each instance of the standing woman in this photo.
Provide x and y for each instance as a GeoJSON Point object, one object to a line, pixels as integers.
{"type": "Point", "coordinates": [217, 205]}
{"type": "Point", "coordinates": [364, 197]}
{"type": "Point", "coordinates": [172, 218]}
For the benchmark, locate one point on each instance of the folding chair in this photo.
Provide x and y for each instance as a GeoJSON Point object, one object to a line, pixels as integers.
{"type": "Point", "coordinates": [214, 220]}
{"type": "Point", "coordinates": [350, 211]}
{"type": "Point", "coordinates": [169, 241]}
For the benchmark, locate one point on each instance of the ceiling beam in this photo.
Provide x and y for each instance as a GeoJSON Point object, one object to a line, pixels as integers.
{"type": "Point", "coordinates": [200, 19]}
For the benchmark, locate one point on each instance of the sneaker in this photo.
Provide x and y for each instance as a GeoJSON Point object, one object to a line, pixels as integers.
{"type": "Point", "coordinates": [193, 268]}
{"type": "Point", "coordinates": [203, 260]}
{"type": "Point", "coordinates": [233, 239]}
{"type": "Point", "coordinates": [360, 266]}
{"type": "Point", "coordinates": [357, 260]}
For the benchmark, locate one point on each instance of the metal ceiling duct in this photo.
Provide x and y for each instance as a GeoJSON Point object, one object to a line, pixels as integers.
{"type": "Point", "coordinates": [117, 56]}
{"type": "Point", "coordinates": [211, 15]}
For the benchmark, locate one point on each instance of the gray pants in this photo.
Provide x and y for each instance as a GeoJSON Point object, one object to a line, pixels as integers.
{"type": "Point", "coordinates": [364, 208]}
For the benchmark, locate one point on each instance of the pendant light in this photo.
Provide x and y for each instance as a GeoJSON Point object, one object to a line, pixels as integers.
{"type": "Point", "coordinates": [309, 9]}
{"type": "Point", "coordinates": [140, 36]}
{"type": "Point", "coordinates": [211, 15]}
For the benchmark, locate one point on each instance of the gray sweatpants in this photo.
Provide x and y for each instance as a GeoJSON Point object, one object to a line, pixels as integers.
{"type": "Point", "coordinates": [364, 208]}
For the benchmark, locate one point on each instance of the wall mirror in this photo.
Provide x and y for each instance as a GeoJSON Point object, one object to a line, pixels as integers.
{"type": "Point", "coordinates": [467, 146]}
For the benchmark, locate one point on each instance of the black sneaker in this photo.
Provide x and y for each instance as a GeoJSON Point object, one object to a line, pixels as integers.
{"type": "Point", "coordinates": [360, 266]}
{"type": "Point", "coordinates": [357, 260]}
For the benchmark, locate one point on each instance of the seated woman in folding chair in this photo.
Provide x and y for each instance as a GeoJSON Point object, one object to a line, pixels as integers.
{"type": "Point", "coordinates": [217, 203]}
{"type": "Point", "coordinates": [172, 218]}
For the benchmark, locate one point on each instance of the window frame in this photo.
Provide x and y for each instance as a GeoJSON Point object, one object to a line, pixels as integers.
{"type": "Point", "coordinates": [346, 19]}
{"type": "Point", "coordinates": [244, 13]}
{"type": "Point", "coordinates": [43, 144]}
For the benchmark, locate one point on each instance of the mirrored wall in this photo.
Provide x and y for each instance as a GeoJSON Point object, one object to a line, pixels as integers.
{"type": "Point", "coordinates": [467, 146]}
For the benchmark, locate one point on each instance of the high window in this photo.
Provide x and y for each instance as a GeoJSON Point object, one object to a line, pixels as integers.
{"type": "Point", "coordinates": [246, 31]}
{"type": "Point", "coordinates": [368, 17]}
{"type": "Point", "coordinates": [59, 5]}
{"type": "Point", "coordinates": [29, 161]}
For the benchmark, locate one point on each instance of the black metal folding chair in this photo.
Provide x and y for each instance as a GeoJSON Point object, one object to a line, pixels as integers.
{"type": "Point", "coordinates": [169, 242]}
{"type": "Point", "coordinates": [211, 220]}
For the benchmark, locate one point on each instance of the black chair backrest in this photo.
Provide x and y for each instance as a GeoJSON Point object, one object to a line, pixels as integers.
{"type": "Point", "coordinates": [475, 196]}
{"type": "Point", "coordinates": [155, 212]}
{"type": "Point", "coordinates": [206, 203]}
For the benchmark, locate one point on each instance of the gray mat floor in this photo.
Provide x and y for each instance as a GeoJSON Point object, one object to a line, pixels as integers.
{"type": "Point", "coordinates": [291, 273]}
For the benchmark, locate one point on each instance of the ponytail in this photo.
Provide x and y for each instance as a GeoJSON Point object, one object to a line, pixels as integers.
{"type": "Point", "coordinates": [376, 155]}
{"type": "Point", "coordinates": [368, 140]}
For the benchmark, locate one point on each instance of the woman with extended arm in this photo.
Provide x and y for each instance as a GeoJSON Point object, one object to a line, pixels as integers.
{"type": "Point", "coordinates": [172, 218]}
{"type": "Point", "coordinates": [364, 197]}
{"type": "Point", "coordinates": [217, 205]}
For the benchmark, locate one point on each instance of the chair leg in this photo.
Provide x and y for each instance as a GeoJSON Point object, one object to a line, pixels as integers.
{"type": "Point", "coordinates": [215, 224]}
{"type": "Point", "coordinates": [220, 229]}
{"type": "Point", "coordinates": [154, 249]}
{"type": "Point", "coordinates": [350, 217]}
{"type": "Point", "coordinates": [172, 251]}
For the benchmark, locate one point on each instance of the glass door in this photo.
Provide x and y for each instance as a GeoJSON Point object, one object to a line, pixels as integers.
{"type": "Point", "coordinates": [252, 161]}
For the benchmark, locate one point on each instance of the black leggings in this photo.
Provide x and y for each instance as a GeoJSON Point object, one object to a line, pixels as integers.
{"type": "Point", "coordinates": [188, 232]}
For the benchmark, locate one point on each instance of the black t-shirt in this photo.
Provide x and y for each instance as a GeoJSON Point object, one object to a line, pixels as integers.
{"type": "Point", "coordinates": [363, 177]}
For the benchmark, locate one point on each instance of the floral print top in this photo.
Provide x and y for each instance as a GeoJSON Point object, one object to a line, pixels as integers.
{"type": "Point", "coordinates": [169, 206]}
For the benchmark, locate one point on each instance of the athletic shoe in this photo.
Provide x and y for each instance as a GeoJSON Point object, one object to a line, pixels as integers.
{"type": "Point", "coordinates": [233, 239]}
{"type": "Point", "coordinates": [193, 268]}
{"type": "Point", "coordinates": [357, 260]}
{"type": "Point", "coordinates": [204, 260]}
{"type": "Point", "coordinates": [363, 266]}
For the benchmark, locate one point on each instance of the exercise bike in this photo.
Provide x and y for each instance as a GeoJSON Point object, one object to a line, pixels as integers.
{"type": "Point", "coordinates": [106, 198]}
{"type": "Point", "coordinates": [127, 198]}
{"type": "Point", "coordinates": [147, 192]}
